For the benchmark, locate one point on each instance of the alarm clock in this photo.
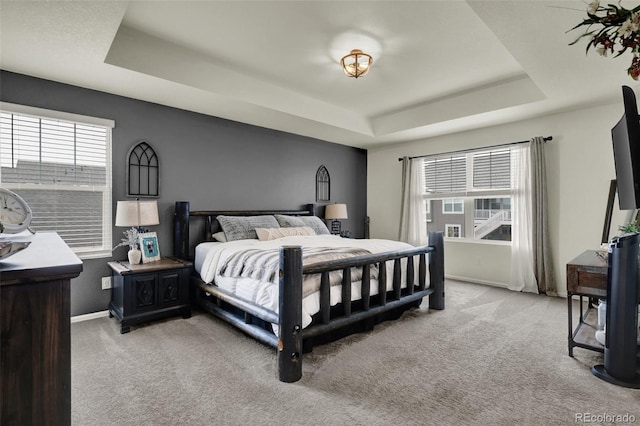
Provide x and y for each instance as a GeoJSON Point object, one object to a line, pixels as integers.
{"type": "Point", "coordinates": [15, 214]}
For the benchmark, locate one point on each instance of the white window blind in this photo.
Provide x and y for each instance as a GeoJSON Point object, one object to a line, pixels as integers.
{"type": "Point", "coordinates": [467, 173]}
{"type": "Point", "coordinates": [445, 174]}
{"type": "Point", "coordinates": [62, 168]}
{"type": "Point", "coordinates": [492, 170]}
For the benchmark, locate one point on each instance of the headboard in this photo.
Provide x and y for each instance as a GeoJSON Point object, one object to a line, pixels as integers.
{"type": "Point", "coordinates": [182, 247]}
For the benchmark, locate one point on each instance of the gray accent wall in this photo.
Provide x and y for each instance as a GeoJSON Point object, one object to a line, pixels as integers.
{"type": "Point", "coordinates": [213, 163]}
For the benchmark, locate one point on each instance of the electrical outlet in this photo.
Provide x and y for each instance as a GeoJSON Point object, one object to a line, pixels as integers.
{"type": "Point", "coordinates": [106, 283]}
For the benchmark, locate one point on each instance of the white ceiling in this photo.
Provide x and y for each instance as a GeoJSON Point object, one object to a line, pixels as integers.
{"type": "Point", "coordinates": [439, 66]}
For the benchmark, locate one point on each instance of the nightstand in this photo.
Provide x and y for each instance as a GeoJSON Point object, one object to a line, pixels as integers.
{"type": "Point", "coordinates": [149, 291]}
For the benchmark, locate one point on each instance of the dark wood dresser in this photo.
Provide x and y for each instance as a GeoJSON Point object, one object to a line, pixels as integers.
{"type": "Point", "coordinates": [35, 350]}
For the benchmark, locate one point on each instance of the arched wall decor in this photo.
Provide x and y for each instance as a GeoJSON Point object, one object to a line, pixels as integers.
{"type": "Point", "coordinates": [323, 184]}
{"type": "Point", "coordinates": [143, 171]}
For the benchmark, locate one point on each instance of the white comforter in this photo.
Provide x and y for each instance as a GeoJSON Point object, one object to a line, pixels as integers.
{"type": "Point", "coordinates": [211, 258]}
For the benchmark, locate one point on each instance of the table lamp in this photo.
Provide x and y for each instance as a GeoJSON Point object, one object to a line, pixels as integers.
{"type": "Point", "coordinates": [335, 212]}
{"type": "Point", "coordinates": [136, 214]}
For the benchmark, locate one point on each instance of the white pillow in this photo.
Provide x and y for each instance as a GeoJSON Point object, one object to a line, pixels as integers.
{"type": "Point", "coordinates": [266, 234]}
{"type": "Point", "coordinates": [219, 236]}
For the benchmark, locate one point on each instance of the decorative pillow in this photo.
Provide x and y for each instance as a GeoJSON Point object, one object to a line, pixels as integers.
{"type": "Point", "coordinates": [266, 234]}
{"type": "Point", "coordinates": [316, 224]}
{"type": "Point", "coordinates": [244, 227]}
{"type": "Point", "coordinates": [219, 236]}
{"type": "Point", "coordinates": [289, 221]}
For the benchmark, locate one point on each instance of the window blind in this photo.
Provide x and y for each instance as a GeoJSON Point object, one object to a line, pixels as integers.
{"type": "Point", "coordinates": [63, 171]}
{"type": "Point", "coordinates": [492, 170]}
{"type": "Point", "coordinates": [445, 174]}
{"type": "Point", "coordinates": [474, 172]}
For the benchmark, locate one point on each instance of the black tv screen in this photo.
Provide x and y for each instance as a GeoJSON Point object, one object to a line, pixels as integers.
{"type": "Point", "coordinates": [626, 152]}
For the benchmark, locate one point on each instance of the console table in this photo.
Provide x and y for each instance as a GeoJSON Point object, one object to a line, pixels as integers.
{"type": "Point", "coordinates": [35, 327]}
{"type": "Point", "coordinates": [586, 277]}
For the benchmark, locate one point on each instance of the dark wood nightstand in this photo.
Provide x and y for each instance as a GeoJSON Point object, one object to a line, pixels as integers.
{"type": "Point", "coordinates": [149, 291]}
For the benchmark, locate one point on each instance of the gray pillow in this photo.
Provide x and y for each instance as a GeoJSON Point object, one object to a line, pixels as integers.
{"type": "Point", "coordinates": [244, 227]}
{"type": "Point", "coordinates": [289, 221]}
{"type": "Point", "coordinates": [315, 223]}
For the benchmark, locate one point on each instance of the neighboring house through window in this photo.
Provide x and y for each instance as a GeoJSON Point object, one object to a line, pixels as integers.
{"type": "Point", "coordinates": [453, 205]}
{"type": "Point", "coordinates": [60, 163]}
{"type": "Point", "coordinates": [452, 231]}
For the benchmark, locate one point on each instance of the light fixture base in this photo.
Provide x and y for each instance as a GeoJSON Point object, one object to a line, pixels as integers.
{"type": "Point", "coordinates": [356, 63]}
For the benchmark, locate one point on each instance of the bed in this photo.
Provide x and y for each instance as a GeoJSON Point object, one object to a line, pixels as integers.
{"type": "Point", "coordinates": [291, 286]}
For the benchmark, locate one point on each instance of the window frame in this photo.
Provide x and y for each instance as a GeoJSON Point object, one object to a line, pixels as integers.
{"type": "Point", "coordinates": [471, 193]}
{"type": "Point", "coordinates": [449, 226]}
{"type": "Point", "coordinates": [453, 202]}
{"type": "Point", "coordinates": [87, 252]}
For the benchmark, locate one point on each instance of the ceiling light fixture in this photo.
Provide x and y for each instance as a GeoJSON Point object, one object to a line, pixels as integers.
{"type": "Point", "coordinates": [356, 64]}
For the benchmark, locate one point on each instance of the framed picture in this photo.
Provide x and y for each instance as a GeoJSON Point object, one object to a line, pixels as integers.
{"type": "Point", "coordinates": [149, 247]}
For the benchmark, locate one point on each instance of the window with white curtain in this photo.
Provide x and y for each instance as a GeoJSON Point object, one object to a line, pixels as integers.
{"type": "Point", "coordinates": [60, 164]}
{"type": "Point", "coordinates": [473, 189]}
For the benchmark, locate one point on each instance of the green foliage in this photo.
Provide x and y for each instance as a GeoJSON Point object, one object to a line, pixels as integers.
{"type": "Point", "coordinates": [629, 227]}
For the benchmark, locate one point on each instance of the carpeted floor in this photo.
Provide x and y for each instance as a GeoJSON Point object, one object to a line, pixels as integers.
{"type": "Point", "coordinates": [492, 357]}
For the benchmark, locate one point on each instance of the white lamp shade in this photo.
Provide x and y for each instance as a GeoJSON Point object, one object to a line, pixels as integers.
{"type": "Point", "coordinates": [336, 211]}
{"type": "Point", "coordinates": [137, 213]}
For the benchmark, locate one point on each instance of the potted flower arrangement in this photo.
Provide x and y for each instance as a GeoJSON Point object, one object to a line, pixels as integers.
{"type": "Point", "coordinates": [131, 240]}
{"type": "Point", "coordinates": [613, 29]}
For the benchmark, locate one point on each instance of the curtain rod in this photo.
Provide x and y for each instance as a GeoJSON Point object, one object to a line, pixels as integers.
{"type": "Point", "coordinates": [546, 139]}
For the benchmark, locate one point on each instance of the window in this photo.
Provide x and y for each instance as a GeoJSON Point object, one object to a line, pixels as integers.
{"type": "Point", "coordinates": [475, 185]}
{"type": "Point", "coordinates": [453, 205]}
{"type": "Point", "coordinates": [61, 165]}
{"type": "Point", "coordinates": [453, 231]}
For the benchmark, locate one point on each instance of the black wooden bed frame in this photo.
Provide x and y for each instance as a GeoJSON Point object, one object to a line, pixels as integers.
{"type": "Point", "coordinates": [331, 322]}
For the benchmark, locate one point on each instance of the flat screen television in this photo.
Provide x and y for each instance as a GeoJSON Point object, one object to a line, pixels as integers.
{"type": "Point", "coordinates": [626, 152]}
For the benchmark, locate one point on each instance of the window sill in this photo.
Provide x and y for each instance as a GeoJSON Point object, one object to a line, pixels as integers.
{"type": "Point", "coordinates": [98, 254]}
{"type": "Point", "coordinates": [481, 242]}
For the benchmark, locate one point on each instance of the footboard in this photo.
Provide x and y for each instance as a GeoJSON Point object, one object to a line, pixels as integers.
{"type": "Point", "coordinates": [291, 335]}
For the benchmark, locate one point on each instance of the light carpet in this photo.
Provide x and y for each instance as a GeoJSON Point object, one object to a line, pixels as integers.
{"type": "Point", "coordinates": [492, 357]}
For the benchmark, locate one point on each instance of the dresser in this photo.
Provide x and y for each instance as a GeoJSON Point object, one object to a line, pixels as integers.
{"type": "Point", "coordinates": [35, 350]}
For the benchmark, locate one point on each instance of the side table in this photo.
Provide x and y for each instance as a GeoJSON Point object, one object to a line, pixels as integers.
{"type": "Point", "coordinates": [586, 277]}
{"type": "Point", "coordinates": [149, 291]}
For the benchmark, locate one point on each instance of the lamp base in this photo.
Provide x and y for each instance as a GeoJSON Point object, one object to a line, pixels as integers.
{"type": "Point", "coordinates": [336, 227]}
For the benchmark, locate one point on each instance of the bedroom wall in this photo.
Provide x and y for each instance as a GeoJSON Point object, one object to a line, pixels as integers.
{"type": "Point", "coordinates": [579, 169]}
{"type": "Point", "coordinates": [211, 162]}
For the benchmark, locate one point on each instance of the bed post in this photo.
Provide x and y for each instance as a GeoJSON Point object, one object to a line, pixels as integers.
{"type": "Point", "coordinates": [436, 270]}
{"type": "Point", "coordinates": [290, 314]}
{"type": "Point", "coordinates": [311, 208]}
{"type": "Point", "coordinates": [181, 230]}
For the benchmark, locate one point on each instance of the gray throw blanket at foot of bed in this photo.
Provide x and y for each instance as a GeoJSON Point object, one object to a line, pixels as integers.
{"type": "Point", "coordinates": [263, 265]}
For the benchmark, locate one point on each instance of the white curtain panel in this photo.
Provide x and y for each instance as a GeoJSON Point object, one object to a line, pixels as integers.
{"type": "Point", "coordinates": [522, 256]}
{"type": "Point", "coordinates": [413, 223]}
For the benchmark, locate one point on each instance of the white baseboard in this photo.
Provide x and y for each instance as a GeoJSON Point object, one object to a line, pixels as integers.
{"type": "Point", "coordinates": [87, 317]}
{"type": "Point", "coordinates": [562, 294]}
{"type": "Point", "coordinates": [476, 281]}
